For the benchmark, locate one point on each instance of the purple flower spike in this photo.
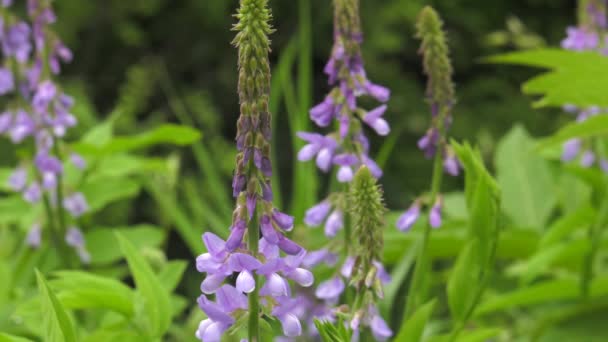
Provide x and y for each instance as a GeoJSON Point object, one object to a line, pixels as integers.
{"type": "Point", "coordinates": [571, 149]}
{"type": "Point", "coordinates": [330, 289]}
{"type": "Point", "coordinates": [317, 214]}
{"type": "Point", "coordinates": [407, 220]}
{"type": "Point", "coordinates": [76, 204]}
{"type": "Point", "coordinates": [435, 214]}
{"type": "Point", "coordinates": [588, 159]}
{"type": "Point", "coordinates": [334, 223]}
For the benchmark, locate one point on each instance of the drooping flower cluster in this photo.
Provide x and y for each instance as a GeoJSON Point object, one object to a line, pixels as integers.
{"type": "Point", "coordinates": [348, 147]}
{"type": "Point", "coordinates": [253, 259]}
{"type": "Point", "coordinates": [441, 98]}
{"type": "Point", "coordinates": [38, 109]}
{"type": "Point", "coordinates": [590, 35]}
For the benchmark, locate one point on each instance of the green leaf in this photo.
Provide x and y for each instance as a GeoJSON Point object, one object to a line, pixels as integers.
{"type": "Point", "coordinates": [460, 289]}
{"type": "Point", "coordinates": [531, 268]}
{"type": "Point", "coordinates": [81, 290]}
{"type": "Point", "coordinates": [479, 335]}
{"type": "Point", "coordinates": [560, 229]}
{"type": "Point", "coordinates": [542, 292]}
{"type": "Point", "coordinates": [56, 322]}
{"type": "Point", "coordinates": [577, 78]}
{"type": "Point", "coordinates": [163, 134]}
{"type": "Point", "coordinates": [594, 126]}
{"type": "Point", "coordinates": [172, 273]}
{"type": "Point", "coordinates": [102, 191]}
{"type": "Point", "coordinates": [528, 195]}
{"type": "Point", "coordinates": [142, 236]}
{"type": "Point", "coordinates": [11, 338]}
{"type": "Point", "coordinates": [413, 328]}
{"type": "Point", "coordinates": [122, 165]}
{"type": "Point", "coordinates": [105, 335]}
{"type": "Point", "coordinates": [13, 209]}
{"type": "Point", "coordinates": [156, 303]}
{"type": "Point", "coordinates": [99, 135]}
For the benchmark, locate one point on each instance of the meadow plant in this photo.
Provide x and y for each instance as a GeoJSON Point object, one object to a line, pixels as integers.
{"type": "Point", "coordinates": [39, 113]}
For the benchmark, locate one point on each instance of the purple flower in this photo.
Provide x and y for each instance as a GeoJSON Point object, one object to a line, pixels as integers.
{"type": "Point", "coordinates": [330, 289]}
{"type": "Point", "coordinates": [18, 179]}
{"type": "Point", "coordinates": [407, 220]}
{"type": "Point", "coordinates": [435, 214]}
{"type": "Point", "coordinates": [346, 162]}
{"type": "Point", "coordinates": [588, 158]}
{"type": "Point", "coordinates": [571, 149]}
{"type": "Point", "coordinates": [428, 143]}
{"type": "Point", "coordinates": [334, 223]}
{"type": "Point", "coordinates": [321, 146]}
{"type": "Point", "coordinates": [7, 83]}
{"type": "Point", "coordinates": [6, 119]}
{"type": "Point", "coordinates": [580, 39]}
{"type": "Point", "coordinates": [32, 193]}
{"type": "Point", "coordinates": [23, 126]}
{"type": "Point", "coordinates": [76, 204]}
{"type": "Point", "coordinates": [46, 163]}
{"type": "Point", "coordinates": [75, 239]}
{"type": "Point", "coordinates": [282, 220]}
{"type": "Point", "coordinates": [321, 256]}
{"type": "Point", "coordinates": [317, 214]}
{"type": "Point", "coordinates": [604, 165]}
{"type": "Point", "coordinates": [78, 161]}
{"type": "Point", "coordinates": [380, 93]}
{"type": "Point", "coordinates": [380, 329]}
{"type": "Point", "coordinates": [16, 42]}
{"type": "Point", "coordinates": [45, 93]}
{"type": "Point", "coordinates": [451, 165]}
{"type": "Point", "coordinates": [34, 236]}
{"type": "Point", "coordinates": [323, 113]}
{"type": "Point", "coordinates": [374, 120]}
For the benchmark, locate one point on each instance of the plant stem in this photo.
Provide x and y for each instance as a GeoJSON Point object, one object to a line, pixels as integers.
{"type": "Point", "coordinates": [414, 300]}
{"type": "Point", "coordinates": [253, 233]}
{"type": "Point", "coordinates": [56, 236]}
{"type": "Point", "coordinates": [60, 211]}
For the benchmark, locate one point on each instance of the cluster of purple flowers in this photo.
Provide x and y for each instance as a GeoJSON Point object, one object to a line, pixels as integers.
{"type": "Point", "coordinates": [38, 109]}
{"type": "Point", "coordinates": [590, 35]}
{"type": "Point", "coordinates": [347, 149]}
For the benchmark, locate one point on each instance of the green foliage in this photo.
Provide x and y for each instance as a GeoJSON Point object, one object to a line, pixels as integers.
{"type": "Point", "coordinates": [57, 324]}
{"type": "Point", "coordinates": [412, 329]}
{"type": "Point", "coordinates": [576, 78]}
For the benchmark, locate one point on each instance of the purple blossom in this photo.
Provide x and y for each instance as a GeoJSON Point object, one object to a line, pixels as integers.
{"type": "Point", "coordinates": [580, 39]}
{"type": "Point", "coordinates": [7, 83]}
{"type": "Point", "coordinates": [324, 112]}
{"type": "Point", "coordinates": [23, 126]}
{"type": "Point", "coordinates": [451, 165]}
{"type": "Point", "coordinates": [18, 179]}
{"type": "Point", "coordinates": [334, 223]}
{"type": "Point", "coordinates": [16, 42]}
{"type": "Point", "coordinates": [78, 161]}
{"type": "Point", "coordinates": [76, 204]}
{"type": "Point", "coordinates": [330, 289]}
{"type": "Point", "coordinates": [317, 214]}
{"type": "Point", "coordinates": [75, 239]}
{"type": "Point", "coordinates": [435, 214]}
{"type": "Point", "coordinates": [374, 120]}
{"type": "Point", "coordinates": [407, 220]}
{"type": "Point", "coordinates": [34, 236]}
{"type": "Point", "coordinates": [6, 119]}
{"type": "Point", "coordinates": [571, 149]}
{"type": "Point", "coordinates": [32, 193]}
{"type": "Point", "coordinates": [588, 159]}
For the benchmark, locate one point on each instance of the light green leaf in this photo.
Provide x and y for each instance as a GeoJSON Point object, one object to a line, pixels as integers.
{"type": "Point", "coordinates": [577, 78]}
{"type": "Point", "coordinates": [525, 180]}
{"type": "Point", "coordinates": [100, 135]}
{"type": "Point", "coordinates": [479, 335]}
{"type": "Point", "coordinates": [172, 274]}
{"type": "Point", "coordinates": [11, 338]}
{"type": "Point", "coordinates": [141, 236]}
{"type": "Point", "coordinates": [56, 322]}
{"type": "Point", "coordinates": [413, 328]}
{"type": "Point", "coordinates": [103, 191]}
{"type": "Point", "coordinates": [531, 268]}
{"type": "Point", "coordinates": [13, 209]}
{"type": "Point", "coordinates": [156, 303]}
{"type": "Point", "coordinates": [560, 229]}
{"type": "Point", "coordinates": [81, 290]}
{"type": "Point", "coordinates": [594, 126]}
{"type": "Point", "coordinates": [163, 134]}
{"type": "Point", "coordinates": [105, 335]}
{"type": "Point", "coordinates": [460, 289]}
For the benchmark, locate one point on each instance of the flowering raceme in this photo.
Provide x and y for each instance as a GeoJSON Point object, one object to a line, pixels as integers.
{"type": "Point", "coordinates": [590, 35]}
{"type": "Point", "coordinates": [272, 257]}
{"type": "Point", "coordinates": [39, 109]}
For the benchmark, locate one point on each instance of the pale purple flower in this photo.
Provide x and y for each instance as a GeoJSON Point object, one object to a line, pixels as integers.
{"type": "Point", "coordinates": [375, 120]}
{"type": "Point", "coordinates": [315, 258]}
{"type": "Point", "coordinates": [324, 112]}
{"type": "Point", "coordinates": [451, 165]}
{"type": "Point", "coordinates": [76, 204]}
{"type": "Point", "coordinates": [604, 165]}
{"type": "Point", "coordinates": [23, 126]}
{"type": "Point", "coordinates": [78, 161]}
{"type": "Point", "coordinates": [407, 220]}
{"type": "Point", "coordinates": [571, 149]}
{"type": "Point", "coordinates": [7, 83]}
{"type": "Point", "coordinates": [32, 193]}
{"type": "Point", "coordinates": [75, 239]}
{"type": "Point", "coordinates": [428, 143]}
{"type": "Point", "coordinates": [282, 220]}
{"type": "Point", "coordinates": [317, 214]}
{"type": "Point", "coordinates": [380, 329]}
{"type": "Point", "coordinates": [588, 159]}
{"type": "Point", "coordinates": [34, 236]}
{"type": "Point", "coordinates": [330, 289]}
{"type": "Point", "coordinates": [435, 214]}
{"type": "Point", "coordinates": [334, 223]}
{"type": "Point", "coordinates": [18, 179]}
{"type": "Point", "coordinates": [580, 39]}
{"type": "Point", "coordinates": [318, 145]}
{"type": "Point", "coordinates": [16, 42]}
{"type": "Point", "coordinates": [6, 120]}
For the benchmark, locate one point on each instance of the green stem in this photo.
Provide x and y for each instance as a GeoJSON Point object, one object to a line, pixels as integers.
{"type": "Point", "coordinates": [253, 233]}
{"type": "Point", "coordinates": [594, 235]}
{"type": "Point", "coordinates": [56, 236]}
{"type": "Point", "coordinates": [60, 210]}
{"type": "Point", "coordinates": [414, 300]}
